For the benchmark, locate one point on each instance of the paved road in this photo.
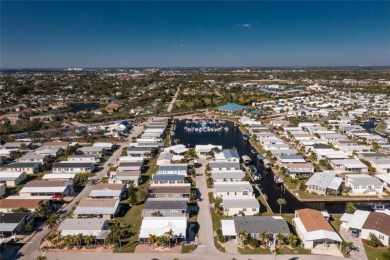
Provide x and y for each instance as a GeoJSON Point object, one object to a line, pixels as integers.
{"type": "Point", "coordinates": [173, 100]}
{"type": "Point", "coordinates": [206, 233]}
{"type": "Point", "coordinates": [31, 249]}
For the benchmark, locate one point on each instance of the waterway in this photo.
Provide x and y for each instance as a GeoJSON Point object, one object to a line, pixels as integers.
{"type": "Point", "coordinates": [77, 107]}
{"type": "Point", "coordinates": [233, 138]}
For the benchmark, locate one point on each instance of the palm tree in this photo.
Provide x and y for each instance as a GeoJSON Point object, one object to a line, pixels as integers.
{"type": "Point", "coordinates": [152, 239]}
{"type": "Point", "coordinates": [88, 240]}
{"type": "Point", "coordinates": [280, 238]}
{"type": "Point", "coordinates": [348, 246]}
{"type": "Point", "coordinates": [243, 236]}
{"type": "Point", "coordinates": [292, 240]}
{"type": "Point", "coordinates": [79, 238]}
{"type": "Point", "coordinates": [52, 221]}
{"type": "Point", "coordinates": [28, 228]}
{"type": "Point", "coordinates": [143, 193]}
{"type": "Point", "coordinates": [160, 240]}
{"type": "Point", "coordinates": [41, 257]}
{"type": "Point", "coordinates": [169, 235]}
{"type": "Point", "coordinates": [281, 202]}
{"type": "Point", "coordinates": [264, 237]}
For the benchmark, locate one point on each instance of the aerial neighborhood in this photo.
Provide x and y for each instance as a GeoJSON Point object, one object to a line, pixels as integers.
{"type": "Point", "coordinates": [246, 164]}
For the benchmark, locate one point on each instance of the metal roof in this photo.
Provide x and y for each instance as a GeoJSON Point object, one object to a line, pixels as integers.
{"type": "Point", "coordinates": [260, 224]}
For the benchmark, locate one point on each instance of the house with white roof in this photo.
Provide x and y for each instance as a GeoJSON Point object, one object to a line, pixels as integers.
{"type": "Point", "coordinates": [240, 205]}
{"type": "Point", "coordinates": [349, 165]}
{"type": "Point", "coordinates": [12, 179]}
{"type": "Point", "coordinates": [180, 169]}
{"type": "Point", "coordinates": [164, 158]}
{"type": "Point", "coordinates": [55, 189]}
{"type": "Point", "coordinates": [363, 184]}
{"type": "Point", "coordinates": [98, 228]}
{"type": "Point", "coordinates": [97, 208]}
{"type": "Point", "coordinates": [158, 226]}
{"type": "Point", "coordinates": [225, 189]}
{"type": "Point", "coordinates": [229, 155]}
{"type": "Point", "coordinates": [206, 149]}
{"type": "Point", "coordinates": [176, 149]}
{"type": "Point", "coordinates": [381, 165]}
{"type": "Point", "coordinates": [227, 176]}
{"type": "Point", "coordinates": [108, 191]}
{"type": "Point", "coordinates": [324, 183]}
{"type": "Point", "coordinates": [385, 178]}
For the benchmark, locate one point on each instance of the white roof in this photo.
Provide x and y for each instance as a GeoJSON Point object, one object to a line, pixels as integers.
{"type": "Point", "coordinates": [29, 197]}
{"type": "Point", "coordinates": [240, 202]}
{"type": "Point", "coordinates": [85, 226]}
{"type": "Point", "coordinates": [346, 217]}
{"type": "Point", "coordinates": [228, 227]}
{"type": "Point", "coordinates": [59, 189]}
{"type": "Point", "coordinates": [8, 175]}
{"type": "Point", "coordinates": [158, 226]}
{"type": "Point", "coordinates": [104, 145]}
{"type": "Point", "coordinates": [358, 219]}
{"type": "Point", "coordinates": [384, 177]}
{"type": "Point", "coordinates": [59, 176]}
{"type": "Point", "coordinates": [105, 193]}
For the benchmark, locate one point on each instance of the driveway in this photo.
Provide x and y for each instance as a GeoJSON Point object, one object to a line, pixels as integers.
{"type": "Point", "coordinates": [359, 253]}
{"type": "Point", "coordinates": [331, 250]}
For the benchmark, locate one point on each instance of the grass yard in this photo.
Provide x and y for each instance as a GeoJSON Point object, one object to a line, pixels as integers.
{"type": "Point", "coordinates": [188, 248]}
{"type": "Point", "coordinates": [258, 250]}
{"type": "Point", "coordinates": [297, 250]}
{"type": "Point", "coordinates": [335, 222]}
{"type": "Point", "coordinates": [374, 253]}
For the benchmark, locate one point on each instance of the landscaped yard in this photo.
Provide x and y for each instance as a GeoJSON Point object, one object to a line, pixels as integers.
{"type": "Point", "coordinates": [297, 250]}
{"type": "Point", "coordinates": [335, 222]}
{"type": "Point", "coordinates": [188, 248]}
{"type": "Point", "coordinates": [374, 253]}
{"type": "Point", "coordinates": [258, 250]}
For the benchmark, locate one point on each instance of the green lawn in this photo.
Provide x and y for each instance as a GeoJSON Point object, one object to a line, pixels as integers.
{"type": "Point", "coordinates": [335, 222]}
{"type": "Point", "coordinates": [297, 250]}
{"type": "Point", "coordinates": [188, 248]}
{"type": "Point", "coordinates": [374, 253]}
{"type": "Point", "coordinates": [258, 250]}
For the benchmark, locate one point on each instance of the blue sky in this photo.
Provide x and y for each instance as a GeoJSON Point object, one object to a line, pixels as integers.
{"type": "Point", "coordinates": [149, 34]}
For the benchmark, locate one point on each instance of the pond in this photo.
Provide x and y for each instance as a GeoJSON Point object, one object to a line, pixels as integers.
{"type": "Point", "coordinates": [77, 107]}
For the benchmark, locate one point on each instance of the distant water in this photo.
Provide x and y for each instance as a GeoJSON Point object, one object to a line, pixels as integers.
{"type": "Point", "coordinates": [84, 107]}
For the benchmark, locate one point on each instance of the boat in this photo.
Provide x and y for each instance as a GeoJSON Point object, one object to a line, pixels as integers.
{"type": "Point", "coordinates": [245, 137]}
{"type": "Point", "coordinates": [246, 159]}
{"type": "Point", "coordinates": [252, 169]}
{"type": "Point", "coordinates": [253, 150]}
{"type": "Point", "coordinates": [279, 180]}
{"type": "Point", "coordinates": [260, 157]}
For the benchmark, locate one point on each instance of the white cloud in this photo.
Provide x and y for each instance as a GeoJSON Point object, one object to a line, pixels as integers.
{"type": "Point", "coordinates": [244, 25]}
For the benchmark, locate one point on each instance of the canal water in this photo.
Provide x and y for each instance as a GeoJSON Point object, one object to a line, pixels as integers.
{"type": "Point", "coordinates": [233, 138]}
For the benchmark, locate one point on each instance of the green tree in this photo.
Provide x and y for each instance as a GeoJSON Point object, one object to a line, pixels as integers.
{"type": "Point", "coordinates": [52, 221]}
{"type": "Point", "coordinates": [350, 208]}
{"type": "Point", "coordinates": [243, 236]}
{"type": "Point", "coordinates": [20, 210]}
{"type": "Point", "coordinates": [169, 235]}
{"type": "Point", "coordinates": [28, 228]}
{"type": "Point", "coordinates": [374, 241]}
{"type": "Point", "coordinates": [133, 198]}
{"type": "Point", "coordinates": [281, 202]}
{"type": "Point", "coordinates": [152, 239]}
